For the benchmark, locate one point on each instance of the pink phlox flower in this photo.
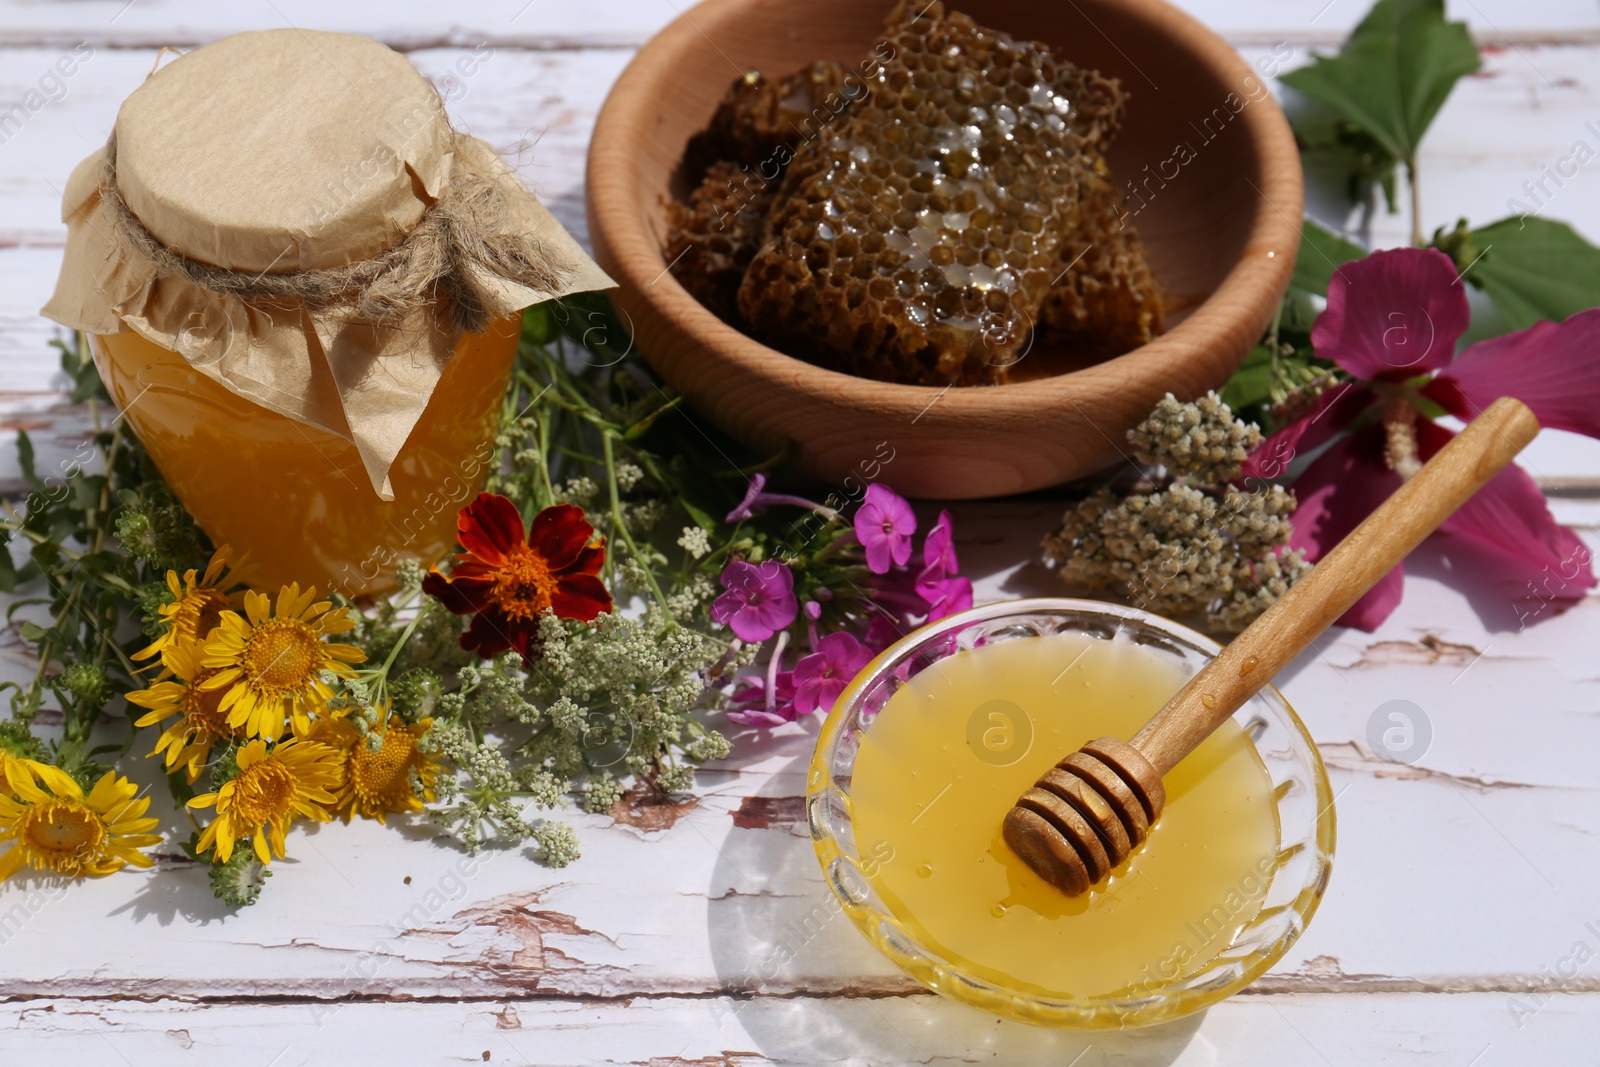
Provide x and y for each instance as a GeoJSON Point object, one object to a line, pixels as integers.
{"type": "Point", "coordinates": [759, 601]}
{"type": "Point", "coordinates": [820, 677]}
{"type": "Point", "coordinates": [939, 547]}
{"type": "Point", "coordinates": [938, 583]}
{"type": "Point", "coordinates": [757, 500]}
{"type": "Point", "coordinates": [881, 632]}
{"type": "Point", "coordinates": [946, 594]}
{"type": "Point", "coordinates": [748, 704]}
{"type": "Point", "coordinates": [884, 524]}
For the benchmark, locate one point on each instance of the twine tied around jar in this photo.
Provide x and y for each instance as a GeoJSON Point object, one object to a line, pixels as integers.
{"type": "Point", "coordinates": [463, 236]}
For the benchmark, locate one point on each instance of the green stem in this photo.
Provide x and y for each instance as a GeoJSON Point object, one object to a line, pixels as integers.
{"type": "Point", "coordinates": [405, 635]}
{"type": "Point", "coordinates": [620, 528]}
{"type": "Point", "coordinates": [544, 462]}
{"type": "Point", "coordinates": [1417, 240]}
{"type": "Point", "coordinates": [38, 538]}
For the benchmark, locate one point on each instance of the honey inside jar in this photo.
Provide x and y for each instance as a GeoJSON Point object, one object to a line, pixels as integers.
{"type": "Point", "coordinates": [950, 752]}
{"type": "Point", "coordinates": [295, 496]}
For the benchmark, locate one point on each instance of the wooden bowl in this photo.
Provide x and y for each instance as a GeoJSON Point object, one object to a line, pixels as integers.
{"type": "Point", "coordinates": [1205, 148]}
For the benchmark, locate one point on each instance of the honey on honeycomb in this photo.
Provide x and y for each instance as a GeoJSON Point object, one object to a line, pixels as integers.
{"type": "Point", "coordinates": [916, 219]}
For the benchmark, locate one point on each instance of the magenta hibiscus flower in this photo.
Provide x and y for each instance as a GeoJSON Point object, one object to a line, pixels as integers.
{"type": "Point", "coordinates": [884, 523]}
{"type": "Point", "coordinates": [759, 600]}
{"type": "Point", "coordinates": [1392, 323]}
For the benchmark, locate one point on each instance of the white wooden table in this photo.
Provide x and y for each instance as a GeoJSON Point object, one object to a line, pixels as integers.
{"type": "Point", "coordinates": [1463, 920]}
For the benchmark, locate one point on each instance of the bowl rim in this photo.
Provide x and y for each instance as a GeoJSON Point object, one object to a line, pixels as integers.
{"type": "Point", "coordinates": [1083, 1012]}
{"type": "Point", "coordinates": [627, 247]}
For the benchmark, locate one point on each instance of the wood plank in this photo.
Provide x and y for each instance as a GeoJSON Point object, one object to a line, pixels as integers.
{"type": "Point", "coordinates": [535, 108]}
{"type": "Point", "coordinates": [628, 23]}
{"type": "Point", "coordinates": [1294, 1030]}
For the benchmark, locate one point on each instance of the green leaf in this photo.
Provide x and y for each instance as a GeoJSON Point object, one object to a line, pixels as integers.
{"type": "Point", "coordinates": [538, 324]}
{"type": "Point", "coordinates": [1535, 269]}
{"type": "Point", "coordinates": [25, 460]}
{"type": "Point", "coordinates": [1321, 253]}
{"type": "Point", "coordinates": [701, 516]}
{"type": "Point", "coordinates": [1251, 385]}
{"type": "Point", "coordinates": [1394, 73]}
{"type": "Point", "coordinates": [182, 792]}
{"type": "Point", "coordinates": [8, 568]}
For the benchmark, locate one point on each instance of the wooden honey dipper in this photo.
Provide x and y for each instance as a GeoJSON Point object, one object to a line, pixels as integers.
{"type": "Point", "coordinates": [1088, 812]}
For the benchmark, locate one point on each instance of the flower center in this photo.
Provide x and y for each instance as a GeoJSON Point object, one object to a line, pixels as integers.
{"type": "Point", "coordinates": [384, 775]}
{"type": "Point", "coordinates": [523, 584]}
{"type": "Point", "coordinates": [200, 709]}
{"type": "Point", "coordinates": [61, 835]}
{"type": "Point", "coordinates": [1400, 437]}
{"type": "Point", "coordinates": [281, 654]}
{"type": "Point", "coordinates": [262, 792]}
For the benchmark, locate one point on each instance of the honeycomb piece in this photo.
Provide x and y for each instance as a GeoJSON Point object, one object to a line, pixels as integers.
{"type": "Point", "coordinates": [1106, 301]}
{"type": "Point", "coordinates": [916, 239]}
{"type": "Point", "coordinates": [760, 114]}
{"type": "Point", "coordinates": [712, 238]}
{"type": "Point", "coordinates": [1098, 106]}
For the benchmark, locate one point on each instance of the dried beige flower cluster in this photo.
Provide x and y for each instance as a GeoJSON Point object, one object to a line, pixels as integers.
{"type": "Point", "coordinates": [1196, 546]}
{"type": "Point", "coordinates": [1201, 440]}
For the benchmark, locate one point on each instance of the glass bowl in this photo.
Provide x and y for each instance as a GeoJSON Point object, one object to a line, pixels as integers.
{"type": "Point", "coordinates": [1300, 794]}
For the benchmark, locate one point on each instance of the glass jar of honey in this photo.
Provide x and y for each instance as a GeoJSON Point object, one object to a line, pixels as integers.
{"type": "Point", "coordinates": [303, 287]}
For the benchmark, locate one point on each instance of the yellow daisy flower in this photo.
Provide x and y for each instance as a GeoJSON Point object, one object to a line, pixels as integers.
{"type": "Point", "coordinates": [268, 661]}
{"type": "Point", "coordinates": [294, 778]}
{"type": "Point", "coordinates": [197, 603]}
{"type": "Point", "coordinates": [57, 828]}
{"type": "Point", "coordinates": [376, 783]}
{"type": "Point", "coordinates": [200, 723]}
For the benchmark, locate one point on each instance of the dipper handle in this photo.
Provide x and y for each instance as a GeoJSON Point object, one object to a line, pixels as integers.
{"type": "Point", "coordinates": [1087, 813]}
{"type": "Point", "coordinates": [1343, 576]}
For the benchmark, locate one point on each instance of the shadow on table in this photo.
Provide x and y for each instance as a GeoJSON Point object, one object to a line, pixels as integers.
{"type": "Point", "coordinates": [805, 986]}
{"type": "Point", "coordinates": [169, 894]}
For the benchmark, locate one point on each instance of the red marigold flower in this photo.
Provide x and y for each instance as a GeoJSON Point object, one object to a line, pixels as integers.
{"type": "Point", "coordinates": [507, 578]}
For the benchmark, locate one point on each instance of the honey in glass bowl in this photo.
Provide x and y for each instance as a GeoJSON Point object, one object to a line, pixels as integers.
{"type": "Point", "coordinates": [926, 751]}
{"type": "Point", "coordinates": [947, 753]}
